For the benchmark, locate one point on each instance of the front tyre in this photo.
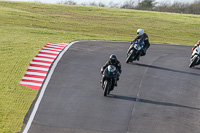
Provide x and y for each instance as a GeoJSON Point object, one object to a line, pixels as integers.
{"type": "Point", "coordinates": [106, 88]}
{"type": "Point", "coordinates": [193, 61]}
{"type": "Point", "coordinates": [129, 56]}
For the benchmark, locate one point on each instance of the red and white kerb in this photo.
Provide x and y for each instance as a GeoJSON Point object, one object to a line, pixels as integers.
{"type": "Point", "coordinates": [39, 66]}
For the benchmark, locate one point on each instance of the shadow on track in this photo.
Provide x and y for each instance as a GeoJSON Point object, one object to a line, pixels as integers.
{"type": "Point", "coordinates": [150, 101]}
{"type": "Point", "coordinates": [195, 68]}
{"type": "Point", "coordinates": [166, 69]}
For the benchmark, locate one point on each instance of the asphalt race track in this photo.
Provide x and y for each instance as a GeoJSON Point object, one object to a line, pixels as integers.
{"type": "Point", "coordinates": [158, 94]}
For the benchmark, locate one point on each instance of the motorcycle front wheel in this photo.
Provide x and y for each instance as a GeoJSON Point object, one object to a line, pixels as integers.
{"type": "Point", "coordinates": [129, 56]}
{"type": "Point", "coordinates": [106, 88]}
{"type": "Point", "coordinates": [193, 61]}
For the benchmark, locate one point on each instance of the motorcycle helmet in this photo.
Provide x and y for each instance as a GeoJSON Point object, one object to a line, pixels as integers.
{"type": "Point", "coordinates": [198, 43]}
{"type": "Point", "coordinates": [140, 32]}
{"type": "Point", "coordinates": [113, 58]}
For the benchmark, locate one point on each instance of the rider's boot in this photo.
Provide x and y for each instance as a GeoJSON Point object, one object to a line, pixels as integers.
{"type": "Point", "coordinates": [115, 83]}
{"type": "Point", "coordinates": [138, 58]}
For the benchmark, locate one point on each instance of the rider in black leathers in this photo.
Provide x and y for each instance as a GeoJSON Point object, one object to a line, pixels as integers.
{"type": "Point", "coordinates": [115, 62]}
{"type": "Point", "coordinates": [144, 36]}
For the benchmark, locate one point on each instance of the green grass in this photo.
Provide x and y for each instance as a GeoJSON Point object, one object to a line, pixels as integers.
{"type": "Point", "coordinates": [26, 27]}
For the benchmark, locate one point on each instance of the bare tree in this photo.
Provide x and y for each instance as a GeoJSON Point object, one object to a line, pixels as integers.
{"type": "Point", "coordinates": [37, 1]}
{"type": "Point", "coordinates": [162, 7]}
{"type": "Point", "coordinates": [93, 3]}
{"type": "Point", "coordinates": [178, 7]}
{"type": "Point", "coordinates": [113, 5]}
{"type": "Point", "coordinates": [128, 4]}
{"type": "Point", "coordinates": [70, 2]}
{"type": "Point", "coordinates": [101, 4]}
{"type": "Point", "coordinates": [194, 7]}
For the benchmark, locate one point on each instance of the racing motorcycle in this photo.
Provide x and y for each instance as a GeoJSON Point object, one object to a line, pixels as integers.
{"type": "Point", "coordinates": [110, 75]}
{"type": "Point", "coordinates": [135, 50]}
{"type": "Point", "coordinates": [195, 57]}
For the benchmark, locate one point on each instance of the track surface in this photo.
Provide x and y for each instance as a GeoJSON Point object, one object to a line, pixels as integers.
{"type": "Point", "coordinates": [158, 94]}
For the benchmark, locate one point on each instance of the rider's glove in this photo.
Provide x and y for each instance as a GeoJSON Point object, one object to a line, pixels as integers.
{"type": "Point", "coordinates": [101, 71]}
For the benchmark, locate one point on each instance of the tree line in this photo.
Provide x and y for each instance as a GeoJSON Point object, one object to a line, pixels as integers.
{"type": "Point", "coordinates": [150, 5]}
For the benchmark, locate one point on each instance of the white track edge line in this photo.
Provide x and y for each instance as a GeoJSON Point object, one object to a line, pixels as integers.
{"type": "Point", "coordinates": [28, 125]}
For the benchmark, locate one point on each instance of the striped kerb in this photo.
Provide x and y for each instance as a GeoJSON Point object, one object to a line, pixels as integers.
{"type": "Point", "coordinates": [39, 66]}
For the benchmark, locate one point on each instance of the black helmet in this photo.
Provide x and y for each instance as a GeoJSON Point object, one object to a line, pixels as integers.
{"type": "Point", "coordinates": [113, 58]}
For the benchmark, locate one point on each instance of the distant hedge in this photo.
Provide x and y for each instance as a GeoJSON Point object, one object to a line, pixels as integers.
{"type": "Point", "coordinates": [150, 5]}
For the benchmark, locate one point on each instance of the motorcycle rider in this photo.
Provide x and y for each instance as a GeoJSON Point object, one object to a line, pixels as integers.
{"type": "Point", "coordinates": [115, 62]}
{"type": "Point", "coordinates": [144, 37]}
{"type": "Point", "coordinates": [196, 45]}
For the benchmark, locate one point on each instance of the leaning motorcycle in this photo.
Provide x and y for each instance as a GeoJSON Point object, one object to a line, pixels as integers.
{"type": "Point", "coordinates": [195, 57]}
{"type": "Point", "coordinates": [135, 50]}
{"type": "Point", "coordinates": [110, 75]}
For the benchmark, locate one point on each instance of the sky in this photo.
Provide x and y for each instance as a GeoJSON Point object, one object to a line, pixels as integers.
{"type": "Point", "coordinates": [102, 1]}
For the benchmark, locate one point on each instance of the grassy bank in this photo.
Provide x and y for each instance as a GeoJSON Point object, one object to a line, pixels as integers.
{"type": "Point", "coordinates": [26, 27]}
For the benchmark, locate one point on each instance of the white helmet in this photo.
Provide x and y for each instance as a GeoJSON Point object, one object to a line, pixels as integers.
{"type": "Point", "coordinates": [140, 32]}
